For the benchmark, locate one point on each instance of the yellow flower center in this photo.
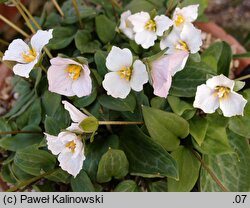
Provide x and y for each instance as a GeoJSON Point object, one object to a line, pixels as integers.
{"type": "Point", "coordinates": [29, 56]}
{"type": "Point", "coordinates": [71, 145]}
{"type": "Point", "coordinates": [179, 20]}
{"type": "Point", "coordinates": [74, 71]}
{"type": "Point", "coordinates": [222, 92]}
{"type": "Point", "coordinates": [125, 73]}
{"type": "Point", "coordinates": [181, 45]}
{"type": "Point", "coordinates": [150, 25]}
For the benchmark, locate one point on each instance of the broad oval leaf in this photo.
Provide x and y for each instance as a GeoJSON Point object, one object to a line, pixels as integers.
{"type": "Point", "coordinates": [165, 127]}
{"type": "Point", "coordinates": [127, 186]}
{"type": "Point", "coordinates": [82, 183]}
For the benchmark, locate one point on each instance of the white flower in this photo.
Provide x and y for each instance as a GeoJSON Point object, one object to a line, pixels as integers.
{"type": "Point", "coordinates": [147, 29]}
{"type": "Point", "coordinates": [218, 93]}
{"type": "Point", "coordinates": [188, 40]}
{"type": "Point", "coordinates": [68, 77]}
{"type": "Point", "coordinates": [185, 15]}
{"type": "Point", "coordinates": [125, 26]}
{"type": "Point", "coordinates": [26, 55]}
{"type": "Point", "coordinates": [124, 73]}
{"type": "Point", "coordinates": [76, 116]}
{"type": "Point", "coordinates": [70, 150]}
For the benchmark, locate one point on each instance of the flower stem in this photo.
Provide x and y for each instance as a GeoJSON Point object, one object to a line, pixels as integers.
{"type": "Point", "coordinates": [120, 123]}
{"type": "Point", "coordinates": [26, 183]}
{"type": "Point", "coordinates": [77, 13]}
{"type": "Point", "coordinates": [58, 7]}
{"type": "Point", "coordinates": [14, 26]}
{"type": "Point", "coordinates": [20, 132]}
{"type": "Point", "coordinates": [43, 68]}
{"type": "Point", "coordinates": [170, 7]}
{"type": "Point", "coordinates": [210, 172]}
{"type": "Point", "coordinates": [243, 77]}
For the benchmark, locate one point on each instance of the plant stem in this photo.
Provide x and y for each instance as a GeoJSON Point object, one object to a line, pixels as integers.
{"type": "Point", "coordinates": [58, 7]}
{"type": "Point", "coordinates": [20, 132]}
{"type": "Point", "coordinates": [77, 13]}
{"type": "Point", "coordinates": [114, 11]}
{"type": "Point", "coordinates": [213, 176]}
{"type": "Point", "coordinates": [4, 42]}
{"type": "Point", "coordinates": [170, 7]}
{"type": "Point", "coordinates": [243, 77]}
{"type": "Point", "coordinates": [120, 123]}
{"type": "Point", "coordinates": [43, 68]}
{"type": "Point", "coordinates": [14, 26]}
{"type": "Point", "coordinates": [26, 183]}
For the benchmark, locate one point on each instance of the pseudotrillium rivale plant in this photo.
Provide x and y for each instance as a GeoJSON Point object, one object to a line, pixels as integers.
{"type": "Point", "coordinates": [218, 93]}
{"type": "Point", "coordinates": [68, 77]}
{"type": "Point", "coordinates": [125, 74]}
{"type": "Point", "coordinates": [26, 55]}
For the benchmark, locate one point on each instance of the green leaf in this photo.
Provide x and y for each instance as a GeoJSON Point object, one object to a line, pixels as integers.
{"type": "Point", "coordinates": [89, 124]}
{"type": "Point", "coordinates": [165, 127]}
{"type": "Point", "coordinates": [195, 57]}
{"type": "Point", "coordinates": [94, 152]}
{"type": "Point", "coordinates": [34, 161]}
{"type": "Point", "coordinates": [21, 141]}
{"type": "Point", "coordinates": [140, 5]}
{"type": "Point", "coordinates": [222, 52]}
{"type": "Point", "coordinates": [198, 129]}
{"type": "Point", "coordinates": [82, 183]}
{"type": "Point", "coordinates": [62, 37]}
{"type": "Point", "coordinates": [232, 170]}
{"type": "Point", "coordinates": [188, 166]}
{"type": "Point", "coordinates": [149, 159]}
{"type": "Point", "coordinates": [238, 85]}
{"type": "Point", "coordinates": [127, 186]}
{"type": "Point", "coordinates": [185, 82]}
{"type": "Point", "coordinates": [59, 176]}
{"type": "Point", "coordinates": [105, 28]}
{"type": "Point", "coordinates": [86, 100]}
{"type": "Point", "coordinates": [203, 4]}
{"type": "Point", "coordinates": [100, 61]}
{"type": "Point", "coordinates": [70, 13]}
{"type": "Point", "coordinates": [112, 164]}
{"type": "Point", "coordinates": [158, 102]}
{"type": "Point", "coordinates": [215, 142]}
{"type": "Point", "coordinates": [19, 173]}
{"type": "Point", "coordinates": [5, 125]}
{"type": "Point", "coordinates": [7, 175]}
{"type": "Point", "coordinates": [181, 108]}
{"type": "Point", "coordinates": [158, 186]}
{"type": "Point", "coordinates": [117, 104]}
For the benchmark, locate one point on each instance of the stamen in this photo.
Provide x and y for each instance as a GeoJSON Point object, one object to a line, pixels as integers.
{"type": "Point", "coordinates": [29, 56]}
{"type": "Point", "coordinates": [181, 45]}
{"type": "Point", "coordinates": [71, 145]}
{"type": "Point", "coordinates": [150, 25]}
{"type": "Point", "coordinates": [125, 73]}
{"type": "Point", "coordinates": [179, 20]}
{"type": "Point", "coordinates": [74, 71]}
{"type": "Point", "coordinates": [222, 92]}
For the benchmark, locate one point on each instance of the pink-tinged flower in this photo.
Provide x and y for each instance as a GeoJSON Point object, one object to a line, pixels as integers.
{"type": "Point", "coordinates": [26, 55]}
{"type": "Point", "coordinates": [218, 93]}
{"type": "Point", "coordinates": [68, 77]}
{"type": "Point", "coordinates": [125, 74]}
{"type": "Point", "coordinates": [76, 116]}
{"type": "Point", "coordinates": [162, 71]}
{"type": "Point", "coordinates": [70, 150]}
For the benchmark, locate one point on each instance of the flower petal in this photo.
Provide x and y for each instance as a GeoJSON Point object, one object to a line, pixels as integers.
{"type": "Point", "coordinates": [163, 23]}
{"type": "Point", "coordinates": [139, 76]}
{"type": "Point", "coordinates": [146, 38]}
{"type": "Point", "coordinates": [220, 80]}
{"type": "Point", "coordinates": [118, 58]}
{"type": "Point", "coordinates": [54, 143]}
{"type": "Point", "coordinates": [73, 165]}
{"type": "Point", "coordinates": [190, 13]}
{"type": "Point", "coordinates": [125, 26]}
{"type": "Point", "coordinates": [75, 115]}
{"type": "Point", "coordinates": [233, 105]}
{"type": "Point", "coordinates": [24, 70]}
{"type": "Point", "coordinates": [58, 61]}
{"type": "Point", "coordinates": [15, 50]}
{"type": "Point", "coordinates": [170, 41]}
{"type": "Point", "coordinates": [139, 21]}
{"type": "Point", "coordinates": [205, 99]}
{"type": "Point", "coordinates": [192, 37]}
{"type": "Point", "coordinates": [58, 79]}
{"type": "Point", "coordinates": [83, 85]}
{"type": "Point", "coordinates": [40, 39]}
{"type": "Point", "coordinates": [74, 127]}
{"type": "Point", "coordinates": [116, 86]}
{"type": "Point", "coordinates": [177, 61]}
{"type": "Point", "coordinates": [161, 75]}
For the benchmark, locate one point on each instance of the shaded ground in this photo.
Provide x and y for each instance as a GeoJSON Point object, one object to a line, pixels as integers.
{"type": "Point", "coordinates": [233, 16]}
